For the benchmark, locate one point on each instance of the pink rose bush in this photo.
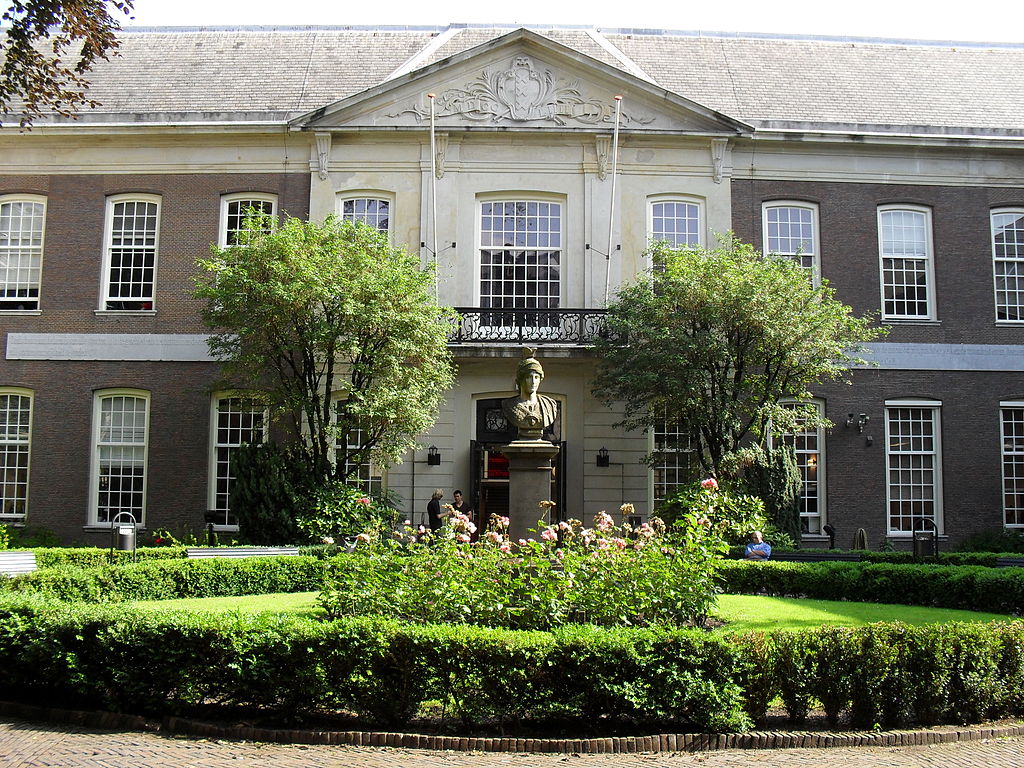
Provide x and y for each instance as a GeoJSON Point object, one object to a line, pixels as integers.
{"type": "Point", "coordinates": [606, 573]}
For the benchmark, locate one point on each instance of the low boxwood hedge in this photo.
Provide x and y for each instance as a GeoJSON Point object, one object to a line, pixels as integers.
{"type": "Point", "coordinates": [973, 588]}
{"type": "Point", "coordinates": [112, 657]}
{"type": "Point", "coordinates": [86, 557]}
{"type": "Point", "coordinates": [170, 579]}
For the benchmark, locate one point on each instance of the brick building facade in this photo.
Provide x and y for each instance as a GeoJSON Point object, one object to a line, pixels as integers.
{"type": "Point", "coordinates": [909, 199]}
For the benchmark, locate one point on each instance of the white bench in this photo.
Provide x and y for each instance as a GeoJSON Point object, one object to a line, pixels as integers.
{"type": "Point", "coordinates": [207, 552]}
{"type": "Point", "coordinates": [17, 563]}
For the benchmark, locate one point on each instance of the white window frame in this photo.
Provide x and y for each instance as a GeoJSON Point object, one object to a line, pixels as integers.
{"type": "Point", "coordinates": [1004, 454]}
{"type": "Point", "coordinates": [928, 262]}
{"type": "Point", "coordinates": [38, 285]}
{"type": "Point", "coordinates": [225, 204]}
{"type": "Point", "coordinates": [542, 320]}
{"type": "Point", "coordinates": [215, 445]}
{"type": "Point", "coordinates": [691, 200]}
{"type": "Point", "coordinates": [5, 443]}
{"type": "Point", "coordinates": [935, 406]}
{"type": "Point", "coordinates": [94, 473]}
{"type": "Point", "coordinates": [108, 233]}
{"type": "Point", "coordinates": [366, 194]}
{"type": "Point", "coordinates": [820, 462]}
{"type": "Point", "coordinates": [815, 252]}
{"type": "Point", "coordinates": [668, 460]}
{"type": "Point", "coordinates": [1018, 260]}
{"type": "Point", "coordinates": [377, 475]}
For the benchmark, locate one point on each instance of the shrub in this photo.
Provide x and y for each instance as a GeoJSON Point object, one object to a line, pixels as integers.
{"type": "Point", "coordinates": [164, 579]}
{"type": "Point", "coordinates": [999, 590]}
{"type": "Point", "coordinates": [268, 493]}
{"type": "Point", "coordinates": [336, 511]}
{"type": "Point", "coordinates": [735, 515]}
{"type": "Point", "coordinates": [603, 575]}
{"type": "Point", "coordinates": [114, 657]}
{"type": "Point", "coordinates": [88, 557]}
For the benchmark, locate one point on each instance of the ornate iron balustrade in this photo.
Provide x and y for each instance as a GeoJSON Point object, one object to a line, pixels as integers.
{"type": "Point", "coordinates": [528, 326]}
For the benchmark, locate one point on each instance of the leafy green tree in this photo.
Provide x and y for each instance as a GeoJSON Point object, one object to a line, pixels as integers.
{"type": "Point", "coordinates": [713, 338]}
{"type": "Point", "coordinates": [337, 330]}
{"type": "Point", "coordinates": [48, 46]}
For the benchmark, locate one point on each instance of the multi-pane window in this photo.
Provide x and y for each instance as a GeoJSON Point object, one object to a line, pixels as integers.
{"type": "Point", "coordinates": [237, 421]}
{"type": "Point", "coordinates": [120, 433]}
{"type": "Point", "coordinates": [131, 249]}
{"type": "Point", "coordinates": [1008, 264]}
{"type": "Point", "coordinates": [914, 466]}
{"type": "Point", "coordinates": [905, 249]}
{"type": "Point", "coordinates": [791, 229]}
{"type": "Point", "coordinates": [15, 443]}
{"type": "Point", "coordinates": [676, 222]}
{"type": "Point", "coordinates": [235, 209]}
{"type": "Point", "coordinates": [21, 251]}
{"type": "Point", "coordinates": [365, 475]}
{"type": "Point", "coordinates": [372, 211]}
{"type": "Point", "coordinates": [675, 463]}
{"type": "Point", "coordinates": [520, 259]}
{"type": "Point", "coordinates": [1012, 420]}
{"type": "Point", "coordinates": [809, 446]}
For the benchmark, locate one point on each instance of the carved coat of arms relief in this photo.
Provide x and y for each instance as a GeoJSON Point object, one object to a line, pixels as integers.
{"type": "Point", "coordinates": [521, 94]}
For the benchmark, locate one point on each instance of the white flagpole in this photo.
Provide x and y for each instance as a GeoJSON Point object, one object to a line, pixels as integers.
{"type": "Point", "coordinates": [433, 194]}
{"type": "Point", "coordinates": [611, 207]}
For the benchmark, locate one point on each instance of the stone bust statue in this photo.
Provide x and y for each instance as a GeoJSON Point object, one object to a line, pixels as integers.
{"type": "Point", "coordinates": [529, 411]}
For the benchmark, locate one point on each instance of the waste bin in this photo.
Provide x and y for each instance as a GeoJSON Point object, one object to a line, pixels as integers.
{"type": "Point", "coordinates": [125, 538]}
{"type": "Point", "coordinates": [924, 544]}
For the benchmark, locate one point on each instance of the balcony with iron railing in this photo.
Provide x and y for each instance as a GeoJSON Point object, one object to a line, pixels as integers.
{"type": "Point", "coordinates": [569, 327]}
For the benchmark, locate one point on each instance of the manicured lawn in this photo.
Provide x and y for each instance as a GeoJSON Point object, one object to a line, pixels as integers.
{"type": "Point", "coordinates": [742, 613]}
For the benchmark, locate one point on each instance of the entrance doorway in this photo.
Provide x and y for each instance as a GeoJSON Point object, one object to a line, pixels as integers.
{"type": "Point", "coordinates": [489, 470]}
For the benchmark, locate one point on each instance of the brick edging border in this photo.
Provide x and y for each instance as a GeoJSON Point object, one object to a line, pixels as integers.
{"type": "Point", "coordinates": [664, 742]}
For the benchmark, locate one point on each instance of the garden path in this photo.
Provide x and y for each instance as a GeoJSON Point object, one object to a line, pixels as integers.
{"type": "Point", "coordinates": [32, 745]}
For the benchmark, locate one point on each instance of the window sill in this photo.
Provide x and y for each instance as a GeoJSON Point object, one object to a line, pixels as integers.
{"type": "Point", "coordinates": [16, 312]}
{"type": "Point", "coordinates": [908, 321]}
{"type": "Point", "coordinates": [109, 526]}
{"type": "Point", "coordinates": [910, 537]}
{"type": "Point", "coordinates": [124, 312]}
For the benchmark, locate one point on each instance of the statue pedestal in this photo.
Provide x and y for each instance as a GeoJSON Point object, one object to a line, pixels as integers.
{"type": "Point", "coordinates": [529, 483]}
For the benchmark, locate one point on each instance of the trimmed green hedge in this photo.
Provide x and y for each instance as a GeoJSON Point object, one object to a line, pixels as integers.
{"type": "Point", "coordinates": [987, 559]}
{"type": "Point", "coordinates": [112, 657]}
{"type": "Point", "coordinates": [170, 579]}
{"type": "Point", "coordinates": [973, 588]}
{"type": "Point", "coordinates": [88, 557]}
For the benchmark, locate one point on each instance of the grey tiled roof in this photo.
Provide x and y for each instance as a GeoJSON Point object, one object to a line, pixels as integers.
{"type": "Point", "coordinates": [839, 82]}
{"type": "Point", "coordinates": [760, 80]}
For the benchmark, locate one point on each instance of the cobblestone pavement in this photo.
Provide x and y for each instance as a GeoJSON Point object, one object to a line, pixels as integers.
{"type": "Point", "coordinates": [24, 745]}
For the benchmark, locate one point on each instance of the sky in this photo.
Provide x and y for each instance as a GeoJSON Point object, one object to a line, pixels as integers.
{"type": "Point", "coordinates": [980, 21]}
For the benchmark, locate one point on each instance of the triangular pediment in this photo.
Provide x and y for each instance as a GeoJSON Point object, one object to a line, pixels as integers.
{"type": "Point", "coordinates": [521, 81]}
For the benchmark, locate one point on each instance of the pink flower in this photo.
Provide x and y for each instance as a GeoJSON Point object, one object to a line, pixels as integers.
{"type": "Point", "coordinates": [421, 530]}
{"type": "Point", "coordinates": [564, 526]}
{"type": "Point", "coordinates": [494, 537]}
{"type": "Point", "coordinates": [504, 522]}
{"type": "Point", "coordinates": [522, 542]}
{"type": "Point", "coordinates": [505, 547]}
{"type": "Point", "coordinates": [549, 534]}
{"type": "Point", "coordinates": [710, 484]}
{"type": "Point", "coordinates": [619, 542]}
{"type": "Point", "coordinates": [365, 500]}
{"type": "Point", "coordinates": [603, 522]}
{"type": "Point", "coordinates": [463, 538]}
